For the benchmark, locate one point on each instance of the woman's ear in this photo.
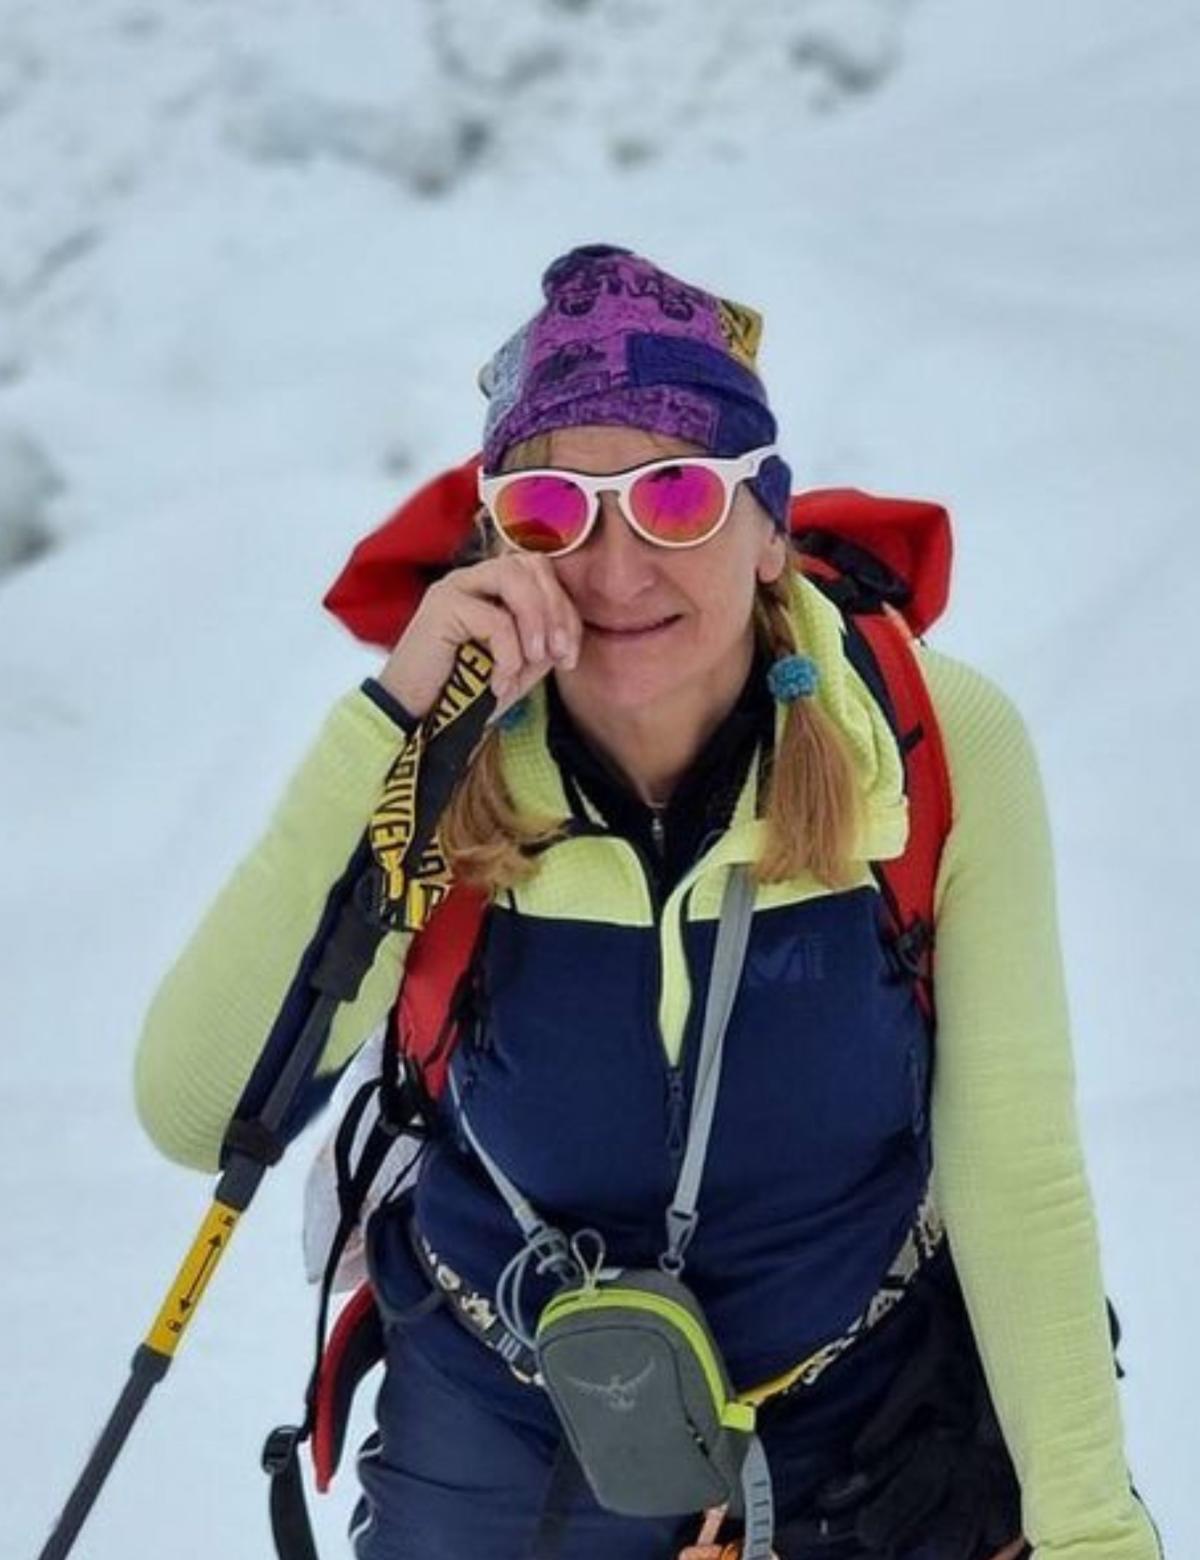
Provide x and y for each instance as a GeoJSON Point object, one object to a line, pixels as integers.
{"type": "Point", "coordinates": [772, 557]}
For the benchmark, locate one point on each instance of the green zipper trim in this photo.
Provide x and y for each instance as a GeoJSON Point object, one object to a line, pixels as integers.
{"type": "Point", "coordinates": [675, 992]}
{"type": "Point", "coordinates": [731, 1412]}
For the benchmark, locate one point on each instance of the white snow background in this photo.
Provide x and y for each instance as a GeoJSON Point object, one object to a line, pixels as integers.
{"type": "Point", "coordinates": [251, 257]}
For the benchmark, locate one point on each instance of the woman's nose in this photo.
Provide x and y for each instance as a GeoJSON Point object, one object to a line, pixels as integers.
{"type": "Point", "coordinates": [620, 563]}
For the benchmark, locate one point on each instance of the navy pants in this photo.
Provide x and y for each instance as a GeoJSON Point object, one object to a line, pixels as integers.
{"type": "Point", "coordinates": [450, 1475]}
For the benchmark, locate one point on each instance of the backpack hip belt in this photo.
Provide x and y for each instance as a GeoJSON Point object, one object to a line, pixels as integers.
{"type": "Point", "coordinates": [477, 1310]}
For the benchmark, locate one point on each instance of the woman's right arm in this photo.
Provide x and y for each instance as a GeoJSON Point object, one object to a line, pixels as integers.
{"type": "Point", "coordinates": [240, 980]}
{"type": "Point", "coordinates": [226, 993]}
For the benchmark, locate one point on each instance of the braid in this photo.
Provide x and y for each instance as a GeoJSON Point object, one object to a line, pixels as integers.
{"type": "Point", "coordinates": [813, 810]}
{"type": "Point", "coordinates": [486, 840]}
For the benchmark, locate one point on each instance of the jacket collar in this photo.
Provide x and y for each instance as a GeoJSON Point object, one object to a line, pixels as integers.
{"type": "Point", "coordinates": [536, 751]}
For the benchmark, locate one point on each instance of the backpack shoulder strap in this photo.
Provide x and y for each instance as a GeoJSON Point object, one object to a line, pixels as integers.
{"type": "Point", "coordinates": [435, 987]}
{"type": "Point", "coordinates": [908, 882]}
{"type": "Point", "coordinates": [881, 646]}
{"type": "Point", "coordinates": [885, 563]}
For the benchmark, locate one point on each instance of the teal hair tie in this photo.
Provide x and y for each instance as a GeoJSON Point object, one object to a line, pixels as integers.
{"type": "Point", "coordinates": [793, 677]}
{"type": "Point", "coordinates": [515, 715]}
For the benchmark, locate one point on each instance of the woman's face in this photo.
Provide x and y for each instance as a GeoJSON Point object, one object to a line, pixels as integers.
{"type": "Point", "coordinates": [659, 623]}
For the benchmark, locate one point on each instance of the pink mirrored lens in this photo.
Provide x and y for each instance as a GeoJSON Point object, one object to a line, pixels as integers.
{"type": "Point", "coordinates": [541, 514]}
{"type": "Point", "coordinates": [678, 503]}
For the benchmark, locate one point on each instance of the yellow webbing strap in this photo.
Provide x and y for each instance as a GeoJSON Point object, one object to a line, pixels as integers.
{"type": "Point", "coordinates": [413, 890]}
{"type": "Point", "coordinates": [922, 1242]}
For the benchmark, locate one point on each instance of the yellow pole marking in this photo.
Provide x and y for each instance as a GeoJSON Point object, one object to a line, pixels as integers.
{"type": "Point", "coordinates": [192, 1279]}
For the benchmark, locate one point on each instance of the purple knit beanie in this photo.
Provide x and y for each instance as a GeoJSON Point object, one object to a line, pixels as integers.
{"type": "Point", "coordinates": [621, 341]}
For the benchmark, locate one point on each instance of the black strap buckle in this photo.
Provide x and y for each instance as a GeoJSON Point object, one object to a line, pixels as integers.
{"type": "Point", "coordinates": [290, 1527]}
{"type": "Point", "coordinates": [279, 1449]}
{"type": "Point", "coordinates": [872, 583]}
{"type": "Point", "coordinates": [912, 945]}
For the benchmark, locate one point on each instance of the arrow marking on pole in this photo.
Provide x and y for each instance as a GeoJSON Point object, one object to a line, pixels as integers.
{"type": "Point", "coordinates": [210, 1256]}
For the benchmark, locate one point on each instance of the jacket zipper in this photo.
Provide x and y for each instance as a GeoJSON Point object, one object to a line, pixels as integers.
{"type": "Point", "coordinates": [676, 1133]}
{"type": "Point", "coordinates": [676, 1136]}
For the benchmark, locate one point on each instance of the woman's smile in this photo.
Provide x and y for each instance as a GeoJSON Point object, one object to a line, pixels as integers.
{"type": "Point", "coordinates": [631, 633]}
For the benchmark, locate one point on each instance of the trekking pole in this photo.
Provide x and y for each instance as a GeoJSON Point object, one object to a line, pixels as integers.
{"type": "Point", "coordinates": [389, 895]}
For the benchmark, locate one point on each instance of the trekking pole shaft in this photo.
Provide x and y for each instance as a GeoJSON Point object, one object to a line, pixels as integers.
{"type": "Point", "coordinates": [152, 1360]}
{"type": "Point", "coordinates": [146, 1371]}
{"type": "Point", "coordinates": [346, 961]}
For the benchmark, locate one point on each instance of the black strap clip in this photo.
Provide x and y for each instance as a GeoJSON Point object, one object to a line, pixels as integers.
{"type": "Point", "coordinates": [867, 583]}
{"type": "Point", "coordinates": [290, 1527]}
{"type": "Point", "coordinates": [279, 1449]}
{"type": "Point", "coordinates": [912, 945]}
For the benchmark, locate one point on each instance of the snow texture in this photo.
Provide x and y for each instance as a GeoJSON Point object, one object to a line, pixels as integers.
{"type": "Point", "coordinates": [251, 258]}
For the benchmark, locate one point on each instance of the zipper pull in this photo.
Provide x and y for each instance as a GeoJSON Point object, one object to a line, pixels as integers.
{"type": "Point", "coordinates": [657, 832]}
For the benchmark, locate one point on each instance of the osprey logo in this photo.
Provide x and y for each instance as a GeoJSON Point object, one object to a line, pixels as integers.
{"type": "Point", "coordinates": [620, 1396]}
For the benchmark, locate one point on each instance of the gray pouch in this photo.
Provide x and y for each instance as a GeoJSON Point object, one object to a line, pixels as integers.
{"type": "Point", "coordinates": [643, 1394]}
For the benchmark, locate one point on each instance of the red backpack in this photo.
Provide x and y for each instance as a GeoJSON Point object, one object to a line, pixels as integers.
{"type": "Point", "coordinates": [885, 562]}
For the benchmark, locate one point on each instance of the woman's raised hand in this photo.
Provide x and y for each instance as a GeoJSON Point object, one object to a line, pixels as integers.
{"type": "Point", "coordinates": [513, 604]}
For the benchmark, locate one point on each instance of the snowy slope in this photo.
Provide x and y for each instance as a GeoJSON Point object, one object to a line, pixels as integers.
{"type": "Point", "coordinates": [250, 260]}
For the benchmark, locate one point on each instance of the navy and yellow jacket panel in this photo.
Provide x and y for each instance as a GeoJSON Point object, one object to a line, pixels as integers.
{"type": "Point", "coordinates": [579, 1075]}
{"type": "Point", "coordinates": [818, 1147]}
{"type": "Point", "coordinates": [819, 1150]}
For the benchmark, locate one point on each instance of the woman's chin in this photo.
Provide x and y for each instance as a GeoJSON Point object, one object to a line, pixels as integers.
{"type": "Point", "coordinates": [613, 679]}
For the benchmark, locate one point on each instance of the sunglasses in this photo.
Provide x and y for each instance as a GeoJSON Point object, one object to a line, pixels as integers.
{"type": "Point", "coordinates": [679, 502]}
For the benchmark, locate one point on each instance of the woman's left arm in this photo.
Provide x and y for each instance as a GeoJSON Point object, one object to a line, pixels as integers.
{"type": "Point", "coordinates": [1008, 1164]}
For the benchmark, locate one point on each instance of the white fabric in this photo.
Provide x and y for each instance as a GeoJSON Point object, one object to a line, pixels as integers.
{"type": "Point", "coordinates": [320, 1188]}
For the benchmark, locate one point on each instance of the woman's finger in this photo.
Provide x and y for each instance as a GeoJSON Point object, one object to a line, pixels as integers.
{"type": "Point", "coordinates": [517, 581]}
{"type": "Point", "coordinates": [507, 603]}
{"type": "Point", "coordinates": [476, 617]}
{"type": "Point", "coordinates": [565, 628]}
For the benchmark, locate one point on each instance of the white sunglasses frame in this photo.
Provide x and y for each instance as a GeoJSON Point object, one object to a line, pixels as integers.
{"type": "Point", "coordinates": [731, 469]}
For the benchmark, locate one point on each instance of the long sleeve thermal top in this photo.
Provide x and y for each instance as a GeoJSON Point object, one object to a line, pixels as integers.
{"type": "Point", "coordinates": [1009, 1173]}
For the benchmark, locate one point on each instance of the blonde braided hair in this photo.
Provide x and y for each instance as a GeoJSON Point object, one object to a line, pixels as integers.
{"type": "Point", "coordinates": [813, 808]}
